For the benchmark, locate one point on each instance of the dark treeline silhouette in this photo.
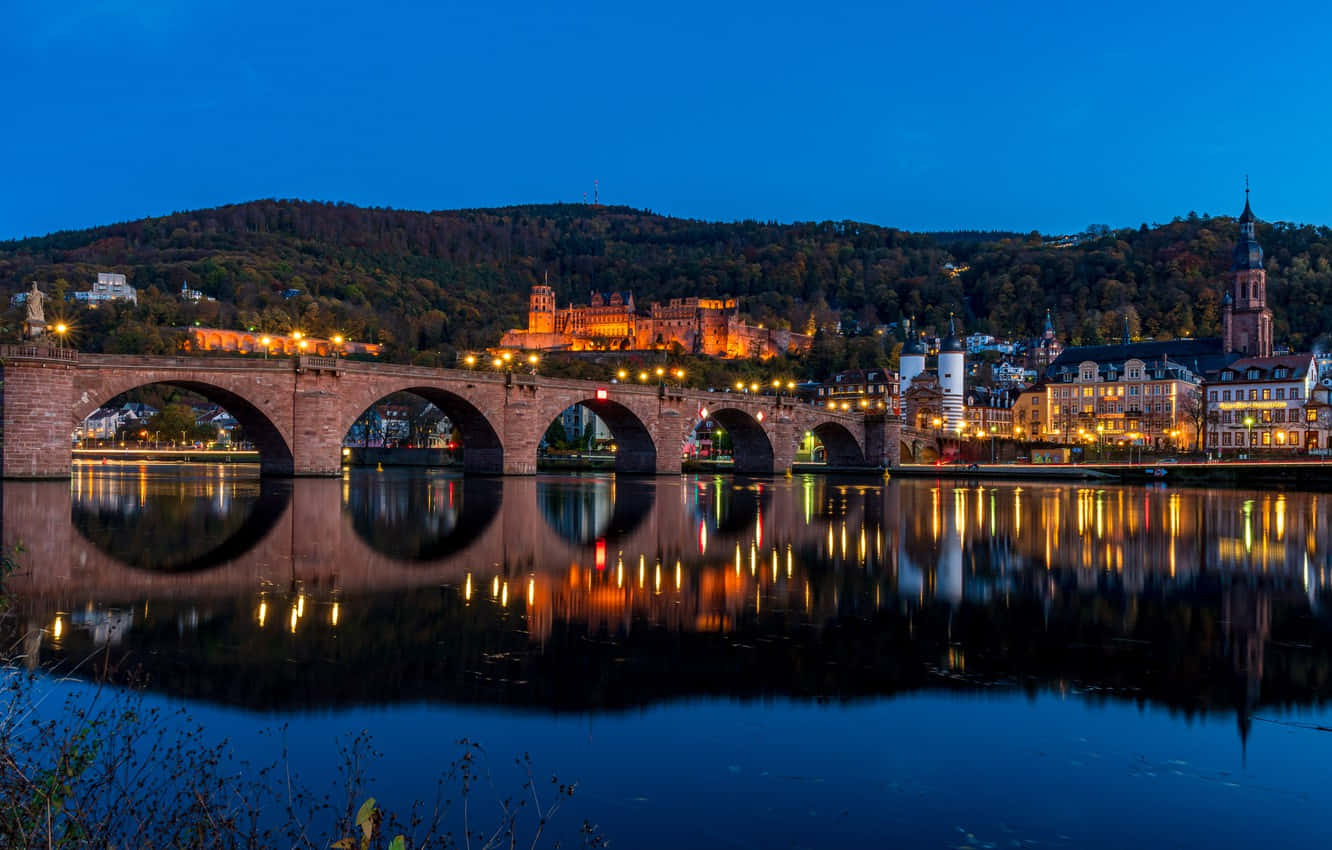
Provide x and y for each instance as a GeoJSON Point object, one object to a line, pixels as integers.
{"type": "Point", "coordinates": [430, 284]}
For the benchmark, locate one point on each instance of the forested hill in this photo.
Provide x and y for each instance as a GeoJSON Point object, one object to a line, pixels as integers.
{"type": "Point", "coordinates": [429, 284]}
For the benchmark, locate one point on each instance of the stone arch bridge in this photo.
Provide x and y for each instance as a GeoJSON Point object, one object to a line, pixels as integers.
{"type": "Point", "coordinates": [297, 411]}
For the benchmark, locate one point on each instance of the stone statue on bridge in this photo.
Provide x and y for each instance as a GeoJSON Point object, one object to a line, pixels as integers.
{"type": "Point", "coordinates": [34, 325]}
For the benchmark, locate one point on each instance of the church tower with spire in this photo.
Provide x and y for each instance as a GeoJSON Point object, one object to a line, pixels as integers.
{"type": "Point", "coordinates": [1246, 322]}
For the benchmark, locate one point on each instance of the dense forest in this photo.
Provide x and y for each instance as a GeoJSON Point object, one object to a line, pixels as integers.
{"type": "Point", "coordinates": [428, 285]}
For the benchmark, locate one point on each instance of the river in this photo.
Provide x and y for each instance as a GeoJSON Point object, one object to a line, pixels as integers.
{"type": "Point", "coordinates": [728, 662]}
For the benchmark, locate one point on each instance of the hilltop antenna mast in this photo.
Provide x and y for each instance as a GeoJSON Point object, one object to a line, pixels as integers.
{"type": "Point", "coordinates": [596, 192]}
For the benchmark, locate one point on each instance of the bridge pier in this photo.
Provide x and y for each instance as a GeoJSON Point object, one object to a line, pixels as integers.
{"type": "Point", "coordinates": [38, 384]}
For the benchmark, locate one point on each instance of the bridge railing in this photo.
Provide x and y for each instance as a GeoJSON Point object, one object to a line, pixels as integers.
{"type": "Point", "coordinates": [37, 351]}
{"type": "Point", "coordinates": [319, 362]}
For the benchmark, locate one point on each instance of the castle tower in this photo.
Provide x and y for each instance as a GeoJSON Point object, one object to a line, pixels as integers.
{"type": "Point", "coordinates": [1246, 322]}
{"type": "Point", "coordinates": [952, 378]}
{"type": "Point", "coordinates": [541, 310]}
{"type": "Point", "coordinates": [912, 361]}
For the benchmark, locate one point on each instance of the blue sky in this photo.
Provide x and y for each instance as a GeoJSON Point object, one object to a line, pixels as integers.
{"type": "Point", "coordinates": [1047, 116]}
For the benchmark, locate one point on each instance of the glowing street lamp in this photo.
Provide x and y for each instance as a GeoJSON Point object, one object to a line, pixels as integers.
{"type": "Point", "coordinates": [470, 360]}
{"type": "Point", "coordinates": [60, 330]}
{"type": "Point", "coordinates": [642, 377]}
{"type": "Point", "coordinates": [622, 374]}
{"type": "Point", "coordinates": [267, 343]}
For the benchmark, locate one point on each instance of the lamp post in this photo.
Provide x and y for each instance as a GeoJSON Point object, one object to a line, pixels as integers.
{"type": "Point", "coordinates": [1248, 446]}
{"type": "Point", "coordinates": [533, 360]}
{"type": "Point", "coordinates": [267, 343]}
{"type": "Point", "coordinates": [61, 329]}
{"type": "Point", "coordinates": [470, 360]}
{"type": "Point", "coordinates": [1100, 441]}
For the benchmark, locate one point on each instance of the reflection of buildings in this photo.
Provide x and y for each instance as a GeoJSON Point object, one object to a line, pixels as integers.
{"type": "Point", "coordinates": [611, 322]}
{"type": "Point", "coordinates": [846, 586]}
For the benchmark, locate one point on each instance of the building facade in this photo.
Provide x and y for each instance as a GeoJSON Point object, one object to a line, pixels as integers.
{"type": "Point", "coordinates": [611, 322]}
{"type": "Point", "coordinates": [1265, 403]}
{"type": "Point", "coordinates": [875, 389]}
{"type": "Point", "coordinates": [109, 287]}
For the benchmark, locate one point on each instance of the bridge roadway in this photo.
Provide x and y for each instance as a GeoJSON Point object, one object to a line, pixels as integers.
{"type": "Point", "coordinates": [297, 412]}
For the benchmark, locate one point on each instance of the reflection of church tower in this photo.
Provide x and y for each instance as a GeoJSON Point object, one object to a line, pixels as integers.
{"type": "Point", "coordinates": [1247, 613]}
{"type": "Point", "coordinates": [1246, 322]}
{"type": "Point", "coordinates": [541, 310]}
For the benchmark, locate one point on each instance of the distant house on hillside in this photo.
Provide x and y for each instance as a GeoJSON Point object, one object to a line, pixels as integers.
{"type": "Point", "coordinates": [109, 287]}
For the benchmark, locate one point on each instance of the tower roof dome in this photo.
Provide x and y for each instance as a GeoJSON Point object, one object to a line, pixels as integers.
{"type": "Point", "coordinates": [951, 344]}
{"type": "Point", "coordinates": [1248, 253]}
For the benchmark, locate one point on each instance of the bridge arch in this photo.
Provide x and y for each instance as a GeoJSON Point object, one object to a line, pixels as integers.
{"type": "Point", "coordinates": [635, 448]}
{"type": "Point", "coordinates": [256, 414]}
{"type": "Point", "coordinates": [840, 446]}
{"type": "Point", "coordinates": [482, 447]}
{"type": "Point", "coordinates": [753, 448]}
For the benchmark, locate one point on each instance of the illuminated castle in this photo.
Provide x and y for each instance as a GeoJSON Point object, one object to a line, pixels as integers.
{"type": "Point", "coordinates": [611, 322]}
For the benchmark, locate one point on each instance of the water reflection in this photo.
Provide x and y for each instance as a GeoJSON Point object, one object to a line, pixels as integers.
{"type": "Point", "coordinates": [597, 593]}
{"type": "Point", "coordinates": [422, 515]}
{"type": "Point", "coordinates": [585, 509]}
{"type": "Point", "coordinates": [166, 518]}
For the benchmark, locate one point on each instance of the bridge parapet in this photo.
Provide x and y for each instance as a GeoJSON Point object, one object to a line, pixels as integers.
{"type": "Point", "coordinates": [37, 351]}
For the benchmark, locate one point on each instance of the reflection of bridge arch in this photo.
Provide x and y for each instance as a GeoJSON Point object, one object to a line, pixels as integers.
{"type": "Point", "coordinates": [250, 402]}
{"type": "Point", "coordinates": [108, 531]}
{"type": "Point", "coordinates": [612, 510]}
{"type": "Point", "coordinates": [466, 408]}
{"type": "Point", "coordinates": [414, 516]}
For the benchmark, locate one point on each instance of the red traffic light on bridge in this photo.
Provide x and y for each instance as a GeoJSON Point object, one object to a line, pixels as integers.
{"type": "Point", "coordinates": [602, 395]}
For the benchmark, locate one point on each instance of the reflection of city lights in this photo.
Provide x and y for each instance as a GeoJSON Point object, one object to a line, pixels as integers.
{"type": "Point", "coordinates": [58, 627]}
{"type": "Point", "coordinates": [263, 613]}
{"type": "Point", "coordinates": [333, 616]}
{"type": "Point", "coordinates": [467, 588]}
{"type": "Point", "coordinates": [293, 619]}
{"type": "Point", "coordinates": [531, 591]}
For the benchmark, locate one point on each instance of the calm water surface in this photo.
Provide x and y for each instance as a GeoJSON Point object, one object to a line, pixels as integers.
{"type": "Point", "coordinates": [724, 662]}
